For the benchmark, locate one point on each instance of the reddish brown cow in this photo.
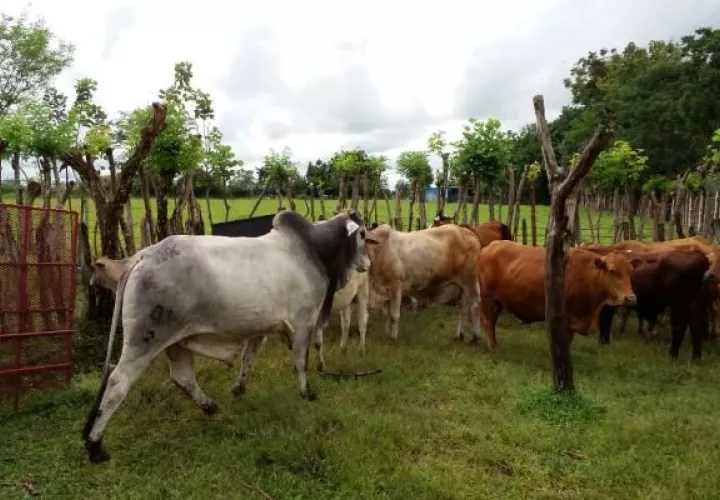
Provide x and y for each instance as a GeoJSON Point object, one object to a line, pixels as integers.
{"type": "Point", "coordinates": [422, 260]}
{"type": "Point", "coordinates": [512, 277]}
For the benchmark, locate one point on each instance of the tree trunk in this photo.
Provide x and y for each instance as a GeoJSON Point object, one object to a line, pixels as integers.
{"type": "Point", "coordinates": [145, 190]}
{"type": "Point", "coordinates": [16, 169]}
{"type": "Point", "coordinates": [443, 189]}
{"type": "Point", "coordinates": [342, 194]}
{"type": "Point", "coordinates": [312, 204]}
{"type": "Point", "coordinates": [3, 147]}
{"type": "Point", "coordinates": [643, 215]}
{"type": "Point", "coordinates": [207, 203]}
{"type": "Point", "coordinates": [130, 234]}
{"type": "Point", "coordinates": [322, 204]}
{"type": "Point", "coordinates": [616, 215]}
{"type": "Point", "coordinates": [225, 200]}
{"type": "Point", "coordinates": [164, 186]}
{"type": "Point", "coordinates": [411, 209]}
{"type": "Point", "coordinates": [518, 199]}
{"type": "Point", "coordinates": [533, 215]}
{"type": "Point", "coordinates": [387, 207]}
{"type": "Point", "coordinates": [462, 192]}
{"type": "Point", "coordinates": [511, 195]}
{"type": "Point", "coordinates": [355, 191]}
{"type": "Point", "coordinates": [398, 208]}
{"type": "Point", "coordinates": [422, 217]}
{"type": "Point", "coordinates": [475, 214]}
{"type": "Point", "coordinates": [557, 242]}
{"type": "Point", "coordinates": [679, 202]}
{"type": "Point", "coordinates": [632, 207]}
{"type": "Point", "coordinates": [491, 203]}
{"type": "Point", "coordinates": [260, 198]}
{"type": "Point", "coordinates": [366, 195]}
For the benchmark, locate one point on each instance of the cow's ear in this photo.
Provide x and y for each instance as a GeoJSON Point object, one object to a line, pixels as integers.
{"type": "Point", "coordinates": [635, 263]}
{"type": "Point", "coordinates": [601, 264]}
{"type": "Point", "coordinates": [97, 263]}
{"type": "Point", "coordinates": [351, 227]}
{"type": "Point", "coordinates": [370, 239]}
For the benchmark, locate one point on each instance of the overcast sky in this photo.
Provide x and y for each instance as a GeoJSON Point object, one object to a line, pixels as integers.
{"type": "Point", "coordinates": [320, 75]}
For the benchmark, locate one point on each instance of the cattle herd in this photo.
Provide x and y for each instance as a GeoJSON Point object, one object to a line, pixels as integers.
{"type": "Point", "coordinates": [220, 296]}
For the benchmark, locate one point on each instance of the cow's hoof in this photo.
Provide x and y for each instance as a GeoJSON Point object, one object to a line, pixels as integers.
{"type": "Point", "coordinates": [210, 408]}
{"type": "Point", "coordinates": [238, 390]}
{"type": "Point", "coordinates": [343, 350]}
{"type": "Point", "coordinates": [474, 340]}
{"type": "Point", "coordinates": [459, 338]}
{"type": "Point", "coordinates": [96, 452]}
{"type": "Point", "coordinates": [320, 368]}
{"type": "Point", "coordinates": [310, 395]}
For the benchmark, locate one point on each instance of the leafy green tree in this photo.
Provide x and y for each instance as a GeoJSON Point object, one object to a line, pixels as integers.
{"type": "Point", "coordinates": [438, 145]}
{"type": "Point", "coordinates": [17, 137]}
{"type": "Point", "coordinates": [415, 167]}
{"type": "Point", "coordinates": [483, 151]}
{"type": "Point", "coordinates": [30, 57]}
{"type": "Point", "coordinates": [277, 170]}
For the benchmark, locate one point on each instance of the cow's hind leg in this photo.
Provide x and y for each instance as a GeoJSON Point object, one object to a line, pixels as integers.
{"type": "Point", "coordinates": [362, 313]}
{"type": "Point", "coordinates": [301, 347]}
{"type": "Point", "coordinates": [319, 347]}
{"type": "Point", "coordinates": [182, 372]}
{"type": "Point", "coordinates": [393, 318]}
{"type": "Point", "coordinates": [132, 363]}
{"type": "Point", "coordinates": [252, 345]}
{"type": "Point", "coordinates": [489, 314]}
{"type": "Point", "coordinates": [679, 318]}
{"type": "Point", "coordinates": [345, 320]}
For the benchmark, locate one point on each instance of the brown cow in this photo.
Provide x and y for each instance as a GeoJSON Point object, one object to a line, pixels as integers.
{"type": "Point", "coordinates": [512, 277]}
{"type": "Point", "coordinates": [486, 233]}
{"type": "Point", "coordinates": [634, 245]}
{"type": "Point", "coordinates": [668, 279]}
{"type": "Point", "coordinates": [421, 260]}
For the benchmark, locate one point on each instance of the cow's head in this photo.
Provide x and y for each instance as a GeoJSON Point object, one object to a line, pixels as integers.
{"type": "Point", "coordinates": [712, 275]}
{"type": "Point", "coordinates": [616, 269]}
{"type": "Point", "coordinates": [441, 219]}
{"type": "Point", "coordinates": [106, 272]}
{"type": "Point", "coordinates": [356, 234]}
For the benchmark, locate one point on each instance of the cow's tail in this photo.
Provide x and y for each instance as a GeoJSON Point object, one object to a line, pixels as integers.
{"type": "Point", "coordinates": [505, 231]}
{"type": "Point", "coordinates": [111, 340]}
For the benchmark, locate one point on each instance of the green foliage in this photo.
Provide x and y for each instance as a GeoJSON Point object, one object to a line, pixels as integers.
{"type": "Point", "coordinates": [18, 133]}
{"type": "Point", "coordinates": [277, 168]}
{"type": "Point", "coordinates": [30, 57]}
{"type": "Point", "coordinates": [414, 165]}
{"type": "Point", "coordinates": [658, 184]}
{"type": "Point", "coordinates": [483, 151]}
{"type": "Point", "coordinates": [52, 134]}
{"type": "Point", "coordinates": [534, 171]}
{"type": "Point", "coordinates": [437, 143]}
{"type": "Point", "coordinates": [619, 167]}
{"type": "Point", "coordinates": [713, 154]}
{"type": "Point", "coordinates": [353, 161]}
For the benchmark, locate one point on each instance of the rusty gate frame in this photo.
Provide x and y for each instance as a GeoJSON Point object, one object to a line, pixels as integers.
{"type": "Point", "coordinates": [24, 310]}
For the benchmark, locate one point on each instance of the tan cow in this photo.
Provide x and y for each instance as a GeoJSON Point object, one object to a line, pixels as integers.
{"type": "Point", "coordinates": [106, 272]}
{"type": "Point", "coordinates": [421, 260]}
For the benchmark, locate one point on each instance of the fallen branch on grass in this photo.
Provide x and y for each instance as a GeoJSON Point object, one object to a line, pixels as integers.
{"type": "Point", "coordinates": [343, 376]}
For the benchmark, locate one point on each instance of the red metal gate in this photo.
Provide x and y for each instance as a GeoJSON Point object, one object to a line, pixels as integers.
{"type": "Point", "coordinates": [38, 268]}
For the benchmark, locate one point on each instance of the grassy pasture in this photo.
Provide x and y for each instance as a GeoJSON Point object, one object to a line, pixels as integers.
{"type": "Point", "coordinates": [443, 420]}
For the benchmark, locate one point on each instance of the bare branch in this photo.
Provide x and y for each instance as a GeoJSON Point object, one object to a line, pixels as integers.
{"type": "Point", "coordinates": [548, 153]}
{"type": "Point", "coordinates": [599, 141]}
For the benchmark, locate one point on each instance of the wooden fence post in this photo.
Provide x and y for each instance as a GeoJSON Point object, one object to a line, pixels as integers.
{"type": "Point", "coordinates": [524, 232]}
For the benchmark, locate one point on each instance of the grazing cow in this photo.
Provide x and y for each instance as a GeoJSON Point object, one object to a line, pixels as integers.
{"type": "Point", "coordinates": [208, 294]}
{"type": "Point", "coordinates": [421, 260]}
{"type": "Point", "coordinates": [512, 277]}
{"type": "Point", "coordinates": [634, 245]}
{"type": "Point", "coordinates": [356, 291]}
{"type": "Point", "coordinates": [668, 279]}
{"type": "Point", "coordinates": [106, 272]}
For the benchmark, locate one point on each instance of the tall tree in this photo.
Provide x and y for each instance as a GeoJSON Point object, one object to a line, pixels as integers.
{"type": "Point", "coordinates": [438, 145]}
{"type": "Point", "coordinates": [415, 167]}
{"type": "Point", "coordinates": [30, 57]}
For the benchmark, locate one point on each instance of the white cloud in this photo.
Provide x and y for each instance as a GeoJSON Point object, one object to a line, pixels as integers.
{"type": "Point", "coordinates": [320, 75]}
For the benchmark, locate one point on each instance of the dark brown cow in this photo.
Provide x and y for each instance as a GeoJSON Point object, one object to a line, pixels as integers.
{"type": "Point", "coordinates": [668, 279]}
{"type": "Point", "coordinates": [512, 277]}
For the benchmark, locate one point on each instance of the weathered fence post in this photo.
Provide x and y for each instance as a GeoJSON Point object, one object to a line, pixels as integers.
{"type": "Point", "coordinates": [524, 232]}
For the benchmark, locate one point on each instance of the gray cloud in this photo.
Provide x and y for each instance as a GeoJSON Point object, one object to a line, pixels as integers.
{"type": "Point", "coordinates": [117, 21]}
{"type": "Point", "coordinates": [346, 102]}
{"type": "Point", "coordinates": [501, 79]}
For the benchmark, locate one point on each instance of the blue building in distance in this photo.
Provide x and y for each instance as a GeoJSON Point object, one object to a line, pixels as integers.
{"type": "Point", "coordinates": [432, 193]}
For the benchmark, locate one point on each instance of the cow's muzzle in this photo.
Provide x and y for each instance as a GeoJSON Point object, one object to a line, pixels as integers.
{"type": "Point", "coordinates": [630, 300]}
{"type": "Point", "coordinates": [710, 278]}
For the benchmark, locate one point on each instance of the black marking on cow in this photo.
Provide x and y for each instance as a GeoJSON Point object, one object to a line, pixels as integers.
{"type": "Point", "coordinates": [168, 252]}
{"type": "Point", "coordinates": [157, 313]}
{"type": "Point", "coordinates": [149, 336]}
{"type": "Point", "coordinates": [327, 245]}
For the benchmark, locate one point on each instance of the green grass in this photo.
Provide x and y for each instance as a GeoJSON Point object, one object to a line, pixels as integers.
{"type": "Point", "coordinates": [240, 208]}
{"type": "Point", "coordinates": [443, 420]}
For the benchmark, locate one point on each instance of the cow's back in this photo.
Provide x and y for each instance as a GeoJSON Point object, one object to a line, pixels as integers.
{"type": "Point", "coordinates": [513, 275]}
{"type": "Point", "coordinates": [420, 258]}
